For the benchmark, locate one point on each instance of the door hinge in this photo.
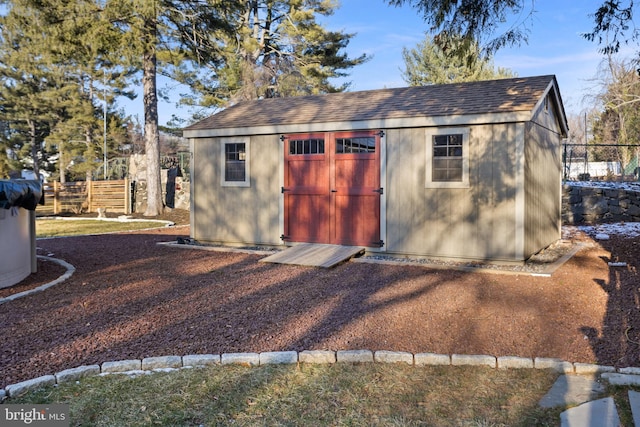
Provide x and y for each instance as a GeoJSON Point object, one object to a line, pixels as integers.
{"type": "Point", "coordinates": [283, 237]}
{"type": "Point", "coordinates": [282, 190]}
{"type": "Point", "coordinates": [379, 243]}
{"type": "Point", "coordinates": [379, 190]}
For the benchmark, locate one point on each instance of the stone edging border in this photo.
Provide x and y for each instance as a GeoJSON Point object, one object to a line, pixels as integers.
{"type": "Point", "coordinates": [70, 270]}
{"type": "Point", "coordinates": [621, 376]}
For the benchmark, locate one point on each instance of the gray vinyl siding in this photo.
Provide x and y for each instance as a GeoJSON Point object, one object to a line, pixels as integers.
{"type": "Point", "coordinates": [247, 215]}
{"type": "Point", "coordinates": [477, 222]}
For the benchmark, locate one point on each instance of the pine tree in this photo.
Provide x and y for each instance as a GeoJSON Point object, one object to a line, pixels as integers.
{"type": "Point", "coordinates": [63, 46]}
{"type": "Point", "coordinates": [172, 37]}
{"type": "Point", "coordinates": [279, 49]}
{"type": "Point", "coordinates": [428, 63]}
{"type": "Point", "coordinates": [31, 87]}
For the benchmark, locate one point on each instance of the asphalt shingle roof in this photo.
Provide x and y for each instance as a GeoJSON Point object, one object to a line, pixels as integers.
{"type": "Point", "coordinates": [493, 96]}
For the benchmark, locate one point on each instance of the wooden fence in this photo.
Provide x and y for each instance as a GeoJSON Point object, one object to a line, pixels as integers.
{"type": "Point", "coordinates": [86, 196]}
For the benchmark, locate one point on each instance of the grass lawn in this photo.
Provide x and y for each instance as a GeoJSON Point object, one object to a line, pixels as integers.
{"type": "Point", "coordinates": [73, 227]}
{"type": "Point", "coordinates": [337, 394]}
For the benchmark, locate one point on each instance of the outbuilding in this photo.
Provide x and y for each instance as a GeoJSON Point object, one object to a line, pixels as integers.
{"type": "Point", "coordinates": [467, 171]}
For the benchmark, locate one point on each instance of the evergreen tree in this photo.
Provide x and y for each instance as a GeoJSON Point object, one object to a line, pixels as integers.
{"type": "Point", "coordinates": [31, 88]}
{"type": "Point", "coordinates": [172, 37]}
{"type": "Point", "coordinates": [62, 46]}
{"type": "Point", "coordinates": [474, 22]}
{"type": "Point", "coordinates": [613, 26]}
{"type": "Point", "coordinates": [279, 49]}
{"type": "Point", "coordinates": [428, 64]}
{"type": "Point", "coordinates": [480, 20]}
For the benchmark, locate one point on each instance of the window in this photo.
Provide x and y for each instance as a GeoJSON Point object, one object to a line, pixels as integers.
{"type": "Point", "coordinates": [447, 158]}
{"type": "Point", "coordinates": [359, 144]}
{"type": "Point", "coordinates": [306, 146]}
{"type": "Point", "coordinates": [235, 164]}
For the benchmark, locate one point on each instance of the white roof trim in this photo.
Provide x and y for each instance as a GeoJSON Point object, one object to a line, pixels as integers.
{"type": "Point", "coordinates": [410, 122]}
{"type": "Point", "coordinates": [562, 119]}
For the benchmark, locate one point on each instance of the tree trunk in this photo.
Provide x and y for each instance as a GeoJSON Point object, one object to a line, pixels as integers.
{"type": "Point", "coordinates": [34, 148]}
{"type": "Point", "coordinates": [61, 163]}
{"type": "Point", "coordinates": [151, 135]}
{"type": "Point", "coordinates": [88, 140]}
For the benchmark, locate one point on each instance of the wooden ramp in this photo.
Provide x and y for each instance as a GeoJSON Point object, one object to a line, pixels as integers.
{"type": "Point", "coordinates": [314, 255]}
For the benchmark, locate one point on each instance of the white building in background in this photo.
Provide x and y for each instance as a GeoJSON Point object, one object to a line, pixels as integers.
{"type": "Point", "coordinates": [594, 169]}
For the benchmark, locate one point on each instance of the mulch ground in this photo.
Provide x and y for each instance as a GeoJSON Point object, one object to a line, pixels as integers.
{"type": "Point", "coordinates": [131, 298]}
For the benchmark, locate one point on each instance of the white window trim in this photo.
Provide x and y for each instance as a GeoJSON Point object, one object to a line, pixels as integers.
{"type": "Point", "coordinates": [430, 133]}
{"type": "Point", "coordinates": [247, 175]}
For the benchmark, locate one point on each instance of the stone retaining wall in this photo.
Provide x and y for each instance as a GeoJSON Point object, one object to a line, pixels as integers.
{"type": "Point", "coordinates": [590, 205]}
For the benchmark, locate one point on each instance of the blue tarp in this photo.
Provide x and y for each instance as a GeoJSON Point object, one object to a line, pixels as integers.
{"type": "Point", "coordinates": [20, 193]}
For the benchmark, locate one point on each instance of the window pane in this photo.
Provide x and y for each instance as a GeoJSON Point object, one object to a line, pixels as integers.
{"type": "Point", "coordinates": [447, 158]}
{"type": "Point", "coordinates": [235, 157]}
{"type": "Point", "coordinates": [455, 151]}
{"type": "Point", "coordinates": [440, 140]}
{"type": "Point", "coordinates": [360, 144]}
{"type": "Point", "coordinates": [306, 146]}
{"type": "Point", "coordinates": [440, 152]}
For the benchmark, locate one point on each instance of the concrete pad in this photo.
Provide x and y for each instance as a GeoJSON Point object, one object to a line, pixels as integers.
{"type": "Point", "coordinates": [571, 390]}
{"type": "Point", "coordinates": [634, 401]}
{"type": "Point", "coordinates": [598, 413]}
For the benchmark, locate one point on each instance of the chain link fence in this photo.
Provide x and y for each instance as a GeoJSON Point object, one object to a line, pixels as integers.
{"type": "Point", "coordinates": [601, 162]}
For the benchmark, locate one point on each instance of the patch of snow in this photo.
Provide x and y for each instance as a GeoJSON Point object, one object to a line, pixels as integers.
{"type": "Point", "coordinates": [629, 186]}
{"type": "Point", "coordinates": [629, 229]}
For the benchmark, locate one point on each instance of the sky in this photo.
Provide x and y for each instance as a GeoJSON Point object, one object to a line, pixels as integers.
{"type": "Point", "coordinates": [555, 46]}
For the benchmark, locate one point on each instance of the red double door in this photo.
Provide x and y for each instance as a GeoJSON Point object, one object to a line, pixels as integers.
{"type": "Point", "coordinates": [332, 188]}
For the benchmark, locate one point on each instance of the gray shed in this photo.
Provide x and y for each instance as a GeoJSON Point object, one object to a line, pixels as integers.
{"type": "Point", "coordinates": [468, 171]}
